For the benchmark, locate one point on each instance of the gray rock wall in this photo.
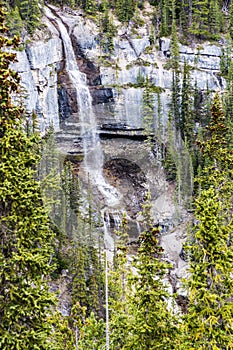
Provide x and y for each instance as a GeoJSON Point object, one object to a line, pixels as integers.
{"type": "Point", "coordinates": [113, 79]}
{"type": "Point", "coordinates": [37, 66]}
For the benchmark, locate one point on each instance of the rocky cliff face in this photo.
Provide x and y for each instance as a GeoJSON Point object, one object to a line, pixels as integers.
{"type": "Point", "coordinates": [113, 81]}
{"type": "Point", "coordinates": [38, 66]}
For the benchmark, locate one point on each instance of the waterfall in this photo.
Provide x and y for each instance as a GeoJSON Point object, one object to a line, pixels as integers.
{"type": "Point", "coordinates": [93, 155]}
{"type": "Point", "coordinates": [108, 239]}
{"type": "Point", "coordinates": [138, 228]}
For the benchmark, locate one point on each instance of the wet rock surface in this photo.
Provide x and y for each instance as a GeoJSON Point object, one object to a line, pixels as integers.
{"type": "Point", "coordinates": [101, 95]}
{"type": "Point", "coordinates": [129, 179]}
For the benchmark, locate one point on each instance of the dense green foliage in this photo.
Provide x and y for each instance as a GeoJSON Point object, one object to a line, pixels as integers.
{"type": "Point", "coordinates": [209, 319]}
{"type": "Point", "coordinates": [148, 113]}
{"type": "Point", "coordinates": [205, 19]}
{"type": "Point", "coordinates": [23, 11]}
{"type": "Point", "coordinates": [26, 237]}
{"type": "Point", "coordinates": [151, 324]}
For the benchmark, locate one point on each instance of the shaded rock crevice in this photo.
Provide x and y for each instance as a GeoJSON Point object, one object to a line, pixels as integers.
{"type": "Point", "coordinates": [129, 178]}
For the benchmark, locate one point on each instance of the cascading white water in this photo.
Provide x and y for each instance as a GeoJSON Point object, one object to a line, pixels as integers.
{"type": "Point", "coordinates": [93, 155]}
{"type": "Point", "coordinates": [138, 228]}
{"type": "Point", "coordinates": [108, 239]}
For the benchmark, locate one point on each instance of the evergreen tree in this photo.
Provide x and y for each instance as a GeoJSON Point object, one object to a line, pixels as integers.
{"type": "Point", "coordinates": [231, 20]}
{"type": "Point", "coordinates": [199, 26]}
{"type": "Point", "coordinates": [175, 55]}
{"type": "Point", "coordinates": [165, 10]}
{"type": "Point", "coordinates": [71, 221]}
{"type": "Point", "coordinates": [49, 176]}
{"type": "Point", "coordinates": [228, 102]}
{"type": "Point", "coordinates": [187, 117]}
{"type": "Point", "coordinates": [184, 16]}
{"type": "Point", "coordinates": [151, 324]}
{"type": "Point", "coordinates": [225, 61]}
{"type": "Point", "coordinates": [197, 103]}
{"type": "Point", "coordinates": [92, 334]}
{"type": "Point", "coordinates": [90, 7]}
{"type": "Point", "coordinates": [148, 113]}
{"type": "Point", "coordinates": [86, 266]}
{"type": "Point", "coordinates": [108, 31]}
{"type": "Point", "coordinates": [87, 279]}
{"type": "Point", "coordinates": [119, 290]}
{"type": "Point", "coordinates": [77, 270]}
{"type": "Point", "coordinates": [184, 173]}
{"type": "Point", "coordinates": [26, 237]}
{"type": "Point", "coordinates": [94, 263]}
{"type": "Point", "coordinates": [218, 157]}
{"type": "Point", "coordinates": [125, 9]}
{"type": "Point", "coordinates": [170, 154]}
{"type": "Point", "coordinates": [30, 13]}
{"type": "Point", "coordinates": [64, 332]}
{"type": "Point", "coordinates": [210, 285]}
{"type": "Point", "coordinates": [178, 164]}
{"type": "Point", "coordinates": [214, 18]}
{"type": "Point", "coordinates": [175, 102]}
{"type": "Point", "coordinates": [14, 21]}
{"type": "Point", "coordinates": [160, 131]}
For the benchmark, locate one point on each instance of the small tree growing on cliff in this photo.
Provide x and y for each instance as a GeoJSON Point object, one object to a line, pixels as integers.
{"type": "Point", "coordinates": [125, 9]}
{"type": "Point", "coordinates": [148, 113]}
{"type": "Point", "coordinates": [14, 21]}
{"type": "Point", "coordinates": [30, 13]}
{"type": "Point", "coordinates": [118, 289]}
